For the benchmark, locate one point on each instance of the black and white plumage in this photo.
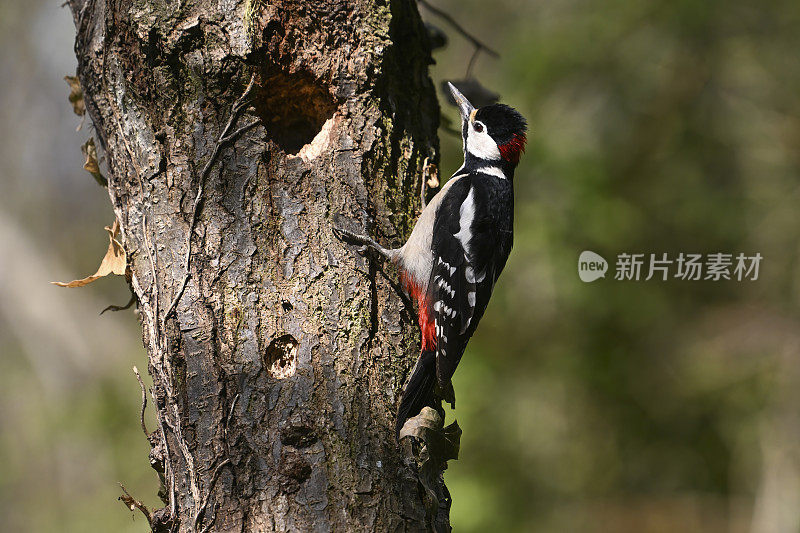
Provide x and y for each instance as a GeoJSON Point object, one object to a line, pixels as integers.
{"type": "Point", "coordinates": [458, 248]}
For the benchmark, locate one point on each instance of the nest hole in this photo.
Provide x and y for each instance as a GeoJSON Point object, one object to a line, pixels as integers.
{"type": "Point", "coordinates": [281, 357]}
{"type": "Point", "coordinates": [293, 107]}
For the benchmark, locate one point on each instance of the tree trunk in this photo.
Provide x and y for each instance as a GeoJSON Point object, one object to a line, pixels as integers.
{"type": "Point", "coordinates": [277, 353]}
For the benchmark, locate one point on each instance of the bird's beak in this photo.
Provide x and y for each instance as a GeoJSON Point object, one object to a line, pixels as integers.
{"type": "Point", "coordinates": [463, 104]}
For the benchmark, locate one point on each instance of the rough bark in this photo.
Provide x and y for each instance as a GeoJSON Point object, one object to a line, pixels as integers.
{"type": "Point", "coordinates": [278, 356]}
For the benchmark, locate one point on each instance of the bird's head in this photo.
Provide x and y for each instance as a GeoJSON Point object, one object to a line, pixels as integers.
{"type": "Point", "coordinates": [495, 132]}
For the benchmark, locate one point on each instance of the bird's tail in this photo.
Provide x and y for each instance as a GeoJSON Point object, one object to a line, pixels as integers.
{"type": "Point", "coordinates": [419, 391]}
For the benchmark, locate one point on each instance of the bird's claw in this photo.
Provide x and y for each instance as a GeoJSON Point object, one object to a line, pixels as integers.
{"type": "Point", "coordinates": [348, 236]}
{"type": "Point", "coordinates": [366, 246]}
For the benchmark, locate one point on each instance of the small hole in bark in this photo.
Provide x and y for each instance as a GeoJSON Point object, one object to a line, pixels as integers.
{"type": "Point", "coordinates": [281, 357]}
{"type": "Point", "coordinates": [293, 107]}
{"type": "Point", "coordinates": [287, 306]}
{"type": "Point", "coordinates": [294, 469]}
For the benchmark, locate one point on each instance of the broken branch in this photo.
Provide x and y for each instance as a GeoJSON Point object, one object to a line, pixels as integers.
{"type": "Point", "coordinates": [133, 504]}
{"type": "Point", "coordinates": [116, 308]}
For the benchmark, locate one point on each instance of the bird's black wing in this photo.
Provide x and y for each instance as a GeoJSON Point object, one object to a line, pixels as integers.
{"type": "Point", "coordinates": [459, 287]}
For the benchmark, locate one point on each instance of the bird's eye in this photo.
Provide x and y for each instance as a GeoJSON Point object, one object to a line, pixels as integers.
{"type": "Point", "coordinates": [478, 127]}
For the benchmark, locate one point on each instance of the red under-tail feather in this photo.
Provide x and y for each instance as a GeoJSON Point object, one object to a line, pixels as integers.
{"type": "Point", "coordinates": [426, 321]}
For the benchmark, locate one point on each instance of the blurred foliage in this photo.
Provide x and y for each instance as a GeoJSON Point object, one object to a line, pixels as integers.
{"type": "Point", "coordinates": [637, 406]}
{"type": "Point", "coordinates": [611, 406]}
{"type": "Point", "coordinates": [69, 401]}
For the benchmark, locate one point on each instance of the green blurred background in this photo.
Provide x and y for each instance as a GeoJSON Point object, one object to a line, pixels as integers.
{"type": "Point", "coordinates": [648, 406]}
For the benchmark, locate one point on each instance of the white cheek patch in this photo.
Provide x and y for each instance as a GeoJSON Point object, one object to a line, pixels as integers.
{"type": "Point", "coordinates": [481, 145]}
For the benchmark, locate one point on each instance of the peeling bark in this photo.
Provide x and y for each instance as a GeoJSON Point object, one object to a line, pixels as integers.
{"type": "Point", "coordinates": [278, 356]}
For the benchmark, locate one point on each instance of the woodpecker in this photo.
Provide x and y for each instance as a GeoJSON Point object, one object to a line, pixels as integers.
{"type": "Point", "coordinates": [457, 249]}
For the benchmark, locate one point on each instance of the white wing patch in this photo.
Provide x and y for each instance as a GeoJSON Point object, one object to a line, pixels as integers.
{"type": "Point", "coordinates": [464, 235]}
{"type": "Point", "coordinates": [466, 215]}
{"type": "Point", "coordinates": [469, 273]}
{"type": "Point", "coordinates": [454, 311]}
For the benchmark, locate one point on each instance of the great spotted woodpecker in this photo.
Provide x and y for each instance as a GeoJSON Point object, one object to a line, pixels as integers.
{"type": "Point", "coordinates": [457, 249]}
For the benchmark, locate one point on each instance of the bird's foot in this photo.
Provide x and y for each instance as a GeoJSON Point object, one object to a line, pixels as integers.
{"type": "Point", "coordinates": [353, 238]}
{"type": "Point", "coordinates": [365, 244]}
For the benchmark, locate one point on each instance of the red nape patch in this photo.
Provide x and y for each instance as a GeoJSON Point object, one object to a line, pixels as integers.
{"type": "Point", "coordinates": [512, 150]}
{"type": "Point", "coordinates": [426, 321]}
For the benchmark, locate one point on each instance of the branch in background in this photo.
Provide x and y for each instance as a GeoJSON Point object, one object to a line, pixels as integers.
{"type": "Point", "coordinates": [456, 26]}
{"type": "Point", "coordinates": [476, 93]}
{"type": "Point", "coordinates": [471, 63]}
{"type": "Point", "coordinates": [479, 45]}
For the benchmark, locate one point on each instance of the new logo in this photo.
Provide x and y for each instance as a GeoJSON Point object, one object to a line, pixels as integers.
{"type": "Point", "coordinates": [591, 266]}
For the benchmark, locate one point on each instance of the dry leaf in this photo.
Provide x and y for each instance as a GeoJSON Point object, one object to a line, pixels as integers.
{"type": "Point", "coordinates": [443, 442]}
{"type": "Point", "coordinates": [430, 173]}
{"type": "Point", "coordinates": [439, 444]}
{"type": "Point", "coordinates": [114, 262]}
{"type": "Point", "coordinates": [92, 165]}
{"type": "Point", "coordinates": [76, 95]}
{"type": "Point", "coordinates": [419, 426]}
